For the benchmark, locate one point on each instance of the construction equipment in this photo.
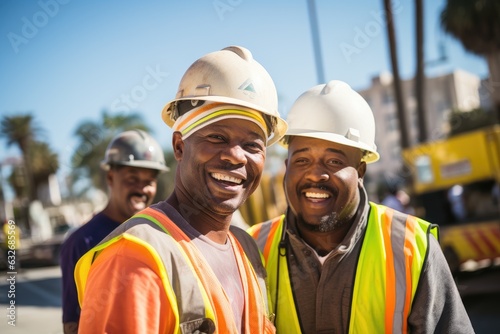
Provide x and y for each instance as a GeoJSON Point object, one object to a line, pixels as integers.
{"type": "Point", "coordinates": [456, 184]}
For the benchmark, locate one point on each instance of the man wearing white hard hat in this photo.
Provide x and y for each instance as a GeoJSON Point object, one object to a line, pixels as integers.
{"type": "Point", "coordinates": [179, 266]}
{"type": "Point", "coordinates": [336, 262]}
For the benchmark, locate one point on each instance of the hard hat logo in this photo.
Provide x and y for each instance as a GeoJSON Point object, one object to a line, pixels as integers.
{"type": "Point", "coordinates": [232, 77]}
{"type": "Point", "coordinates": [247, 86]}
{"type": "Point", "coordinates": [134, 148]}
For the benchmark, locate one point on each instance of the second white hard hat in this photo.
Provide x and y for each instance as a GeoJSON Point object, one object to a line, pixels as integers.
{"type": "Point", "coordinates": [337, 113]}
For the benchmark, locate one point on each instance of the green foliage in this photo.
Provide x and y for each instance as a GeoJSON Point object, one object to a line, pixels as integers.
{"type": "Point", "coordinates": [39, 161]}
{"type": "Point", "coordinates": [20, 129]}
{"type": "Point", "coordinates": [465, 121]}
{"type": "Point", "coordinates": [44, 162]}
{"type": "Point", "coordinates": [93, 139]}
{"type": "Point", "coordinates": [476, 23]}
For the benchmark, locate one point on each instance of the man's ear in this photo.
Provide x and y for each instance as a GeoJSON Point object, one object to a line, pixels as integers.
{"type": "Point", "coordinates": [178, 145]}
{"type": "Point", "coordinates": [361, 169]}
{"type": "Point", "coordinates": [109, 177]}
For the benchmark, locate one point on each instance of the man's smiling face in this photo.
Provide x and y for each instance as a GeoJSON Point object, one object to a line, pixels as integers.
{"type": "Point", "coordinates": [321, 182]}
{"type": "Point", "coordinates": [221, 164]}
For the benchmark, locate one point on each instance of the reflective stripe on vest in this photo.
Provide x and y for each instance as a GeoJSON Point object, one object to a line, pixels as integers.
{"type": "Point", "coordinates": [268, 237]}
{"type": "Point", "coordinates": [396, 242]}
{"type": "Point", "coordinates": [255, 311]}
{"type": "Point", "coordinates": [194, 310]}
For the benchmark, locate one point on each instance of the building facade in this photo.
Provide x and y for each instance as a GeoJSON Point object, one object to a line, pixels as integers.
{"type": "Point", "coordinates": [458, 90]}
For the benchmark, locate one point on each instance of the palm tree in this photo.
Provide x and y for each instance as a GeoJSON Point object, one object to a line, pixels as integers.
{"type": "Point", "coordinates": [476, 24]}
{"type": "Point", "coordinates": [401, 109]}
{"type": "Point", "coordinates": [22, 130]}
{"type": "Point", "coordinates": [44, 162]}
{"type": "Point", "coordinates": [94, 137]}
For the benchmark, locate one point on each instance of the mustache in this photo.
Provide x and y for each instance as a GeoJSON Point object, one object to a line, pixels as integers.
{"type": "Point", "coordinates": [320, 186]}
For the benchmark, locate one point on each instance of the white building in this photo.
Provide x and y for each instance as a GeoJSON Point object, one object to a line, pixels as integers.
{"type": "Point", "coordinates": [458, 90]}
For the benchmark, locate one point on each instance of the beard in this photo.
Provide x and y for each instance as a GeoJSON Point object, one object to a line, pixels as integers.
{"type": "Point", "coordinates": [327, 223]}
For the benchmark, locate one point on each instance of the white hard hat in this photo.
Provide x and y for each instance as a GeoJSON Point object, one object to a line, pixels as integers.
{"type": "Point", "coordinates": [134, 148]}
{"type": "Point", "coordinates": [337, 113]}
{"type": "Point", "coordinates": [229, 76]}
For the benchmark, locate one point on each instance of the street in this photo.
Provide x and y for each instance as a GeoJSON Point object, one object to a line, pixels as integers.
{"type": "Point", "coordinates": [37, 297]}
{"type": "Point", "coordinates": [38, 300]}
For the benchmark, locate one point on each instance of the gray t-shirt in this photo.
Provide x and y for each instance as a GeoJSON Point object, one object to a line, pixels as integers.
{"type": "Point", "coordinates": [223, 263]}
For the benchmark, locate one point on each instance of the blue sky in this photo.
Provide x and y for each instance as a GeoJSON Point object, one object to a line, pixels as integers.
{"type": "Point", "coordinates": [67, 60]}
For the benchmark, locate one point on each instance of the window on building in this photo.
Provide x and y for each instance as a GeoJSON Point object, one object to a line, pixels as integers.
{"type": "Point", "coordinates": [387, 97]}
{"type": "Point", "coordinates": [396, 151]}
{"type": "Point", "coordinates": [391, 122]}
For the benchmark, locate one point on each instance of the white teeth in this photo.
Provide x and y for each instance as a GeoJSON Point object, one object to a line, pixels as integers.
{"type": "Point", "coordinates": [222, 177]}
{"type": "Point", "coordinates": [138, 202]}
{"type": "Point", "coordinates": [316, 195]}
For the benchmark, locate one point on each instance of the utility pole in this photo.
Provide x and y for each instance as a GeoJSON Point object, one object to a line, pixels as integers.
{"type": "Point", "coordinates": [420, 75]}
{"type": "Point", "coordinates": [313, 19]}
{"type": "Point", "coordinates": [398, 92]}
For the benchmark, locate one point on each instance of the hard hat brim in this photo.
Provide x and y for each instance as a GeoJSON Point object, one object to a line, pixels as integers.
{"type": "Point", "coordinates": [139, 164]}
{"type": "Point", "coordinates": [371, 153]}
{"type": "Point", "coordinates": [279, 131]}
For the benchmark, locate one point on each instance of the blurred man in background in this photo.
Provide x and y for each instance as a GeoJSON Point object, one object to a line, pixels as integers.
{"type": "Point", "coordinates": [132, 162]}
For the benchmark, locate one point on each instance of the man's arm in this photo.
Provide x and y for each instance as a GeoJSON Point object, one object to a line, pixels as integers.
{"type": "Point", "coordinates": [124, 295]}
{"type": "Point", "coordinates": [438, 307]}
{"type": "Point", "coordinates": [70, 253]}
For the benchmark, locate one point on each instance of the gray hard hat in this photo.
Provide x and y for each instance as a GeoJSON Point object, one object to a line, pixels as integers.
{"type": "Point", "coordinates": [134, 148]}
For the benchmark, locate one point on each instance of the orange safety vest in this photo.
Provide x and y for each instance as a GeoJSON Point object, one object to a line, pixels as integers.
{"type": "Point", "coordinates": [392, 256]}
{"type": "Point", "coordinates": [185, 272]}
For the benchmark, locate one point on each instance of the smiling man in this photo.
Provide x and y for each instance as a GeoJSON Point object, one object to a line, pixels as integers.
{"type": "Point", "coordinates": [336, 262]}
{"type": "Point", "coordinates": [132, 162]}
{"type": "Point", "coordinates": [179, 266]}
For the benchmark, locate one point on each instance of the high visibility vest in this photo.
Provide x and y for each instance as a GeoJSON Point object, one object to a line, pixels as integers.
{"type": "Point", "coordinates": [204, 307]}
{"type": "Point", "coordinates": [391, 258]}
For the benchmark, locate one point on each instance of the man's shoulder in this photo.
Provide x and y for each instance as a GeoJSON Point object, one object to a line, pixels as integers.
{"type": "Point", "coordinates": [256, 228]}
{"type": "Point", "coordinates": [97, 227]}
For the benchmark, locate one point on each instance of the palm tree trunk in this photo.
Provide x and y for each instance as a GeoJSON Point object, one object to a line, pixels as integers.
{"type": "Point", "coordinates": [420, 75]}
{"type": "Point", "coordinates": [30, 183]}
{"type": "Point", "coordinates": [401, 110]}
{"type": "Point", "coordinates": [493, 60]}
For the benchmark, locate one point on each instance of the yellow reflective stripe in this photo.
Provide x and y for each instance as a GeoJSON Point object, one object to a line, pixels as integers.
{"type": "Point", "coordinates": [398, 243]}
{"type": "Point", "coordinates": [369, 290]}
{"type": "Point", "coordinates": [82, 267]}
{"type": "Point", "coordinates": [153, 220]}
{"type": "Point", "coordinates": [246, 113]}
